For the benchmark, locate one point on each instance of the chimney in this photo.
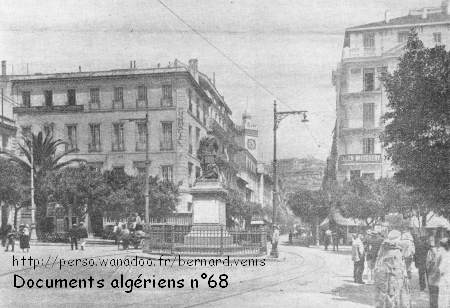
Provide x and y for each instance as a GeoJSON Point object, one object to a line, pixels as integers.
{"type": "Point", "coordinates": [387, 16]}
{"type": "Point", "coordinates": [193, 68]}
{"type": "Point", "coordinates": [131, 64]}
{"type": "Point", "coordinates": [79, 68]}
{"type": "Point", "coordinates": [134, 64]}
{"type": "Point", "coordinates": [175, 63]}
{"type": "Point", "coordinates": [424, 13]}
{"type": "Point", "coordinates": [3, 68]}
{"type": "Point", "coordinates": [159, 65]}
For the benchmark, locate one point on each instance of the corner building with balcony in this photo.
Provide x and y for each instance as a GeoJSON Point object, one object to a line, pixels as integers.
{"type": "Point", "coordinates": [369, 51]}
{"type": "Point", "coordinates": [102, 115]}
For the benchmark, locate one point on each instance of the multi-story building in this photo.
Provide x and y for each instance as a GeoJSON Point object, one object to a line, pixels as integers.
{"type": "Point", "coordinates": [369, 51]}
{"type": "Point", "coordinates": [102, 115]}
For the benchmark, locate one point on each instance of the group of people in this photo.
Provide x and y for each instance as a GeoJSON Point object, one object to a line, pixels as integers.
{"type": "Point", "coordinates": [9, 236]}
{"type": "Point", "coordinates": [389, 260]}
{"type": "Point", "coordinates": [78, 233]}
{"type": "Point", "coordinates": [125, 232]}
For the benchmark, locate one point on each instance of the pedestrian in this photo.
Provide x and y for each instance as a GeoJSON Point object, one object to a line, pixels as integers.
{"type": "Point", "coordinates": [444, 269]}
{"type": "Point", "coordinates": [433, 264]}
{"type": "Point", "coordinates": [391, 281]}
{"type": "Point", "coordinates": [116, 232]}
{"type": "Point", "coordinates": [3, 233]}
{"type": "Point", "coordinates": [328, 235]}
{"type": "Point", "coordinates": [24, 238]}
{"type": "Point", "coordinates": [336, 238]}
{"type": "Point", "coordinates": [275, 239]}
{"type": "Point", "coordinates": [420, 259]}
{"type": "Point", "coordinates": [125, 236]}
{"type": "Point", "coordinates": [82, 235]}
{"type": "Point", "coordinates": [73, 234]}
{"type": "Point", "coordinates": [374, 245]}
{"type": "Point", "coordinates": [10, 238]}
{"type": "Point", "coordinates": [357, 258]}
{"type": "Point", "coordinates": [408, 251]}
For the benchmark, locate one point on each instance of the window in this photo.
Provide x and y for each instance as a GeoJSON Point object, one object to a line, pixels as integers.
{"type": "Point", "coordinates": [368, 115]}
{"type": "Point", "coordinates": [166, 138]}
{"type": "Point", "coordinates": [71, 137]}
{"type": "Point", "coordinates": [190, 170]}
{"type": "Point", "coordinates": [355, 174]}
{"type": "Point", "coordinates": [118, 98]}
{"type": "Point", "coordinates": [197, 109]}
{"type": "Point", "coordinates": [369, 79]}
{"type": "Point", "coordinates": [26, 99]}
{"type": "Point", "coordinates": [118, 142]}
{"type": "Point", "coordinates": [197, 137]}
{"type": "Point", "coordinates": [141, 128]}
{"type": "Point", "coordinates": [48, 129]}
{"type": "Point", "coordinates": [142, 93]}
{"type": "Point", "coordinates": [369, 40]}
{"type": "Point", "coordinates": [71, 97]}
{"type": "Point", "coordinates": [94, 145]}
{"type": "Point", "coordinates": [205, 114]}
{"type": "Point", "coordinates": [190, 139]}
{"type": "Point", "coordinates": [368, 145]}
{"type": "Point", "coordinates": [437, 37]}
{"type": "Point", "coordinates": [197, 172]}
{"type": "Point", "coordinates": [189, 206]}
{"type": "Point", "coordinates": [190, 99]}
{"type": "Point", "coordinates": [166, 95]}
{"type": "Point", "coordinates": [48, 96]}
{"type": "Point", "coordinates": [402, 36]}
{"type": "Point", "coordinates": [94, 102]}
{"type": "Point", "coordinates": [140, 167]}
{"type": "Point", "coordinates": [167, 173]}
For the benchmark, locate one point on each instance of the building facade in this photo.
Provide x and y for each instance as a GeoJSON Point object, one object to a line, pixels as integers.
{"type": "Point", "coordinates": [369, 51]}
{"type": "Point", "coordinates": [102, 116]}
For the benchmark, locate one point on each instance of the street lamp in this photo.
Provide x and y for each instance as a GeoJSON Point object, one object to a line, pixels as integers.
{"type": "Point", "coordinates": [278, 116]}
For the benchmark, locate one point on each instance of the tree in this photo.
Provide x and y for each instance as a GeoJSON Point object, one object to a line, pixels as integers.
{"type": "Point", "coordinates": [417, 133]}
{"type": "Point", "coordinates": [46, 158]}
{"type": "Point", "coordinates": [13, 189]}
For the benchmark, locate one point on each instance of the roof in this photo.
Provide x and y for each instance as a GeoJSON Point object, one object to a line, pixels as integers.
{"type": "Point", "coordinates": [413, 20]}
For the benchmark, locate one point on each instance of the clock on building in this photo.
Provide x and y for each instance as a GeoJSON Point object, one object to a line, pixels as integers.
{"type": "Point", "coordinates": [251, 144]}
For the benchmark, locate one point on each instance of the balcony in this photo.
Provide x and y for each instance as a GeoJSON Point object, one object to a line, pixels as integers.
{"type": "Point", "coordinates": [49, 109]}
{"type": "Point", "coordinates": [94, 105]}
{"type": "Point", "coordinates": [140, 146]}
{"type": "Point", "coordinates": [120, 147]}
{"type": "Point", "coordinates": [141, 104]}
{"type": "Point", "coordinates": [117, 105]}
{"type": "Point", "coordinates": [360, 158]}
{"type": "Point", "coordinates": [94, 147]}
{"type": "Point", "coordinates": [166, 102]}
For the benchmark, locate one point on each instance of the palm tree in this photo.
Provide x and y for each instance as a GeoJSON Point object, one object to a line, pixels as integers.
{"type": "Point", "coordinates": [39, 154]}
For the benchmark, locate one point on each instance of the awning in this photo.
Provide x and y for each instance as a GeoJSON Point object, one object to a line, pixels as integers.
{"type": "Point", "coordinates": [434, 221]}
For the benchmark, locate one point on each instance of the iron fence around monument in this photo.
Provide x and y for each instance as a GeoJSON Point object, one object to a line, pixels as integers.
{"type": "Point", "coordinates": [204, 240]}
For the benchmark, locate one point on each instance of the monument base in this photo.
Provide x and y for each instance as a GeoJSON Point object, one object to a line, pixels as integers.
{"type": "Point", "coordinates": [208, 235]}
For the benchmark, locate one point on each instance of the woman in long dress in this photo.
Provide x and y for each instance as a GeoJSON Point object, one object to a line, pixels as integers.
{"type": "Point", "coordinates": [25, 238]}
{"type": "Point", "coordinates": [444, 269]}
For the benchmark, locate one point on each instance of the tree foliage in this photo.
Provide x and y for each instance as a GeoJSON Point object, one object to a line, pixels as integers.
{"type": "Point", "coordinates": [417, 133]}
{"type": "Point", "coordinates": [309, 205]}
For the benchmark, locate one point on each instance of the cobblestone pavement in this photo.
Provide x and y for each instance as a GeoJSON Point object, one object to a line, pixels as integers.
{"type": "Point", "coordinates": [302, 277]}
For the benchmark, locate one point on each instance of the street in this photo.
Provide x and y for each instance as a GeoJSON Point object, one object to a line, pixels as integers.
{"type": "Point", "coordinates": [302, 277]}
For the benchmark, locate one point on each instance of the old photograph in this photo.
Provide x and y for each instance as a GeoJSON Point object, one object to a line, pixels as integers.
{"type": "Point", "coordinates": [225, 153]}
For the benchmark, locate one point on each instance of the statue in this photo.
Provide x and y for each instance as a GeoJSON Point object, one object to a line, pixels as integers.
{"type": "Point", "coordinates": [207, 154]}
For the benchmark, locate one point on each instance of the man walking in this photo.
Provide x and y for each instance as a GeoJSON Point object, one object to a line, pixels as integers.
{"type": "Point", "coordinates": [275, 239]}
{"type": "Point", "coordinates": [335, 237]}
{"type": "Point", "coordinates": [420, 260]}
{"type": "Point", "coordinates": [358, 258]}
{"type": "Point", "coordinates": [327, 238]}
{"type": "Point", "coordinates": [433, 263]}
{"type": "Point", "coordinates": [82, 234]}
{"type": "Point", "coordinates": [73, 234]}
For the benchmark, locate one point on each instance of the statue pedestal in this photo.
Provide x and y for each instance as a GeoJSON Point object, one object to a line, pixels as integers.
{"type": "Point", "coordinates": [208, 215]}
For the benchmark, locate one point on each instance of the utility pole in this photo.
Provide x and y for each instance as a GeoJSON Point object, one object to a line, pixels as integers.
{"type": "Point", "coordinates": [33, 205]}
{"type": "Point", "coordinates": [2, 105]}
{"type": "Point", "coordinates": [147, 163]}
{"type": "Point", "coordinates": [278, 116]}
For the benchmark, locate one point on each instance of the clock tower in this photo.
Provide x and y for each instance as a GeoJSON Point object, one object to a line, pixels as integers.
{"type": "Point", "coordinates": [250, 132]}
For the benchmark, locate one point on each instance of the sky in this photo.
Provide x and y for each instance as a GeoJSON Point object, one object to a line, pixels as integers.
{"type": "Point", "coordinates": [289, 47]}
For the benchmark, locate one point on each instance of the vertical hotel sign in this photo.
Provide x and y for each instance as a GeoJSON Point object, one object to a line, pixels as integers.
{"type": "Point", "coordinates": [180, 118]}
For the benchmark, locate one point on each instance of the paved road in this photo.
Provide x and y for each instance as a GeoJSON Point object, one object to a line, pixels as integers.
{"type": "Point", "coordinates": [303, 277]}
